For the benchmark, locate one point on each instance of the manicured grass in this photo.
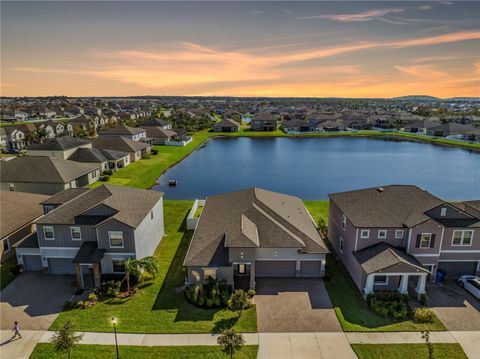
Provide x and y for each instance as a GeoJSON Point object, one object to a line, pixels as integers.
{"type": "Point", "coordinates": [351, 310]}
{"type": "Point", "coordinates": [158, 307]}
{"type": "Point", "coordinates": [84, 351]}
{"type": "Point", "coordinates": [408, 351]}
{"type": "Point", "coordinates": [5, 275]}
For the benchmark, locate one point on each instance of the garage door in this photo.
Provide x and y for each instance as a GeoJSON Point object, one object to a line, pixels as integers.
{"type": "Point", "coordinates": [32, 263]}
{"type": "Point", "coordinates": [310, 268]}
{"type": "Point", "coordinates": [61, 266]}
{"type": "Point", "coordinates": [275, 268]}
{"type": "Point", "coordinates": [456, 269]}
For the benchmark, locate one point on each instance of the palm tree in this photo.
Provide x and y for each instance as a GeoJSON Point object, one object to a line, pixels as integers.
{"type": "Point", "coordinates": [138, 267]}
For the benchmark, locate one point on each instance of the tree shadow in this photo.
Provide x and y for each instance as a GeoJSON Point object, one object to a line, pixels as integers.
{"type": "Point", "coordinates": [224, 324]}
{"type": "Point", "coordinates": [169, 297]}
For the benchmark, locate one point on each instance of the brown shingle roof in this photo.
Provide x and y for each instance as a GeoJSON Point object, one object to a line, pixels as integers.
{"type": "Point", "coordinates": [122, 130]}
{"type": "Point", "coordinates": [253, 218]}
{"type": "Point", "coordinates": [18, 209]}
{"type": "Point", "coordinates": [389, 206]}
{"type": "Point", "coordinates": [158, 132]}
{"type": "Point", "coordinates": [119, 143]}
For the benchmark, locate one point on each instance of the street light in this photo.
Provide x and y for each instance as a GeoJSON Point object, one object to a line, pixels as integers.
{"type": "Point", "coordinates": [114, 322]}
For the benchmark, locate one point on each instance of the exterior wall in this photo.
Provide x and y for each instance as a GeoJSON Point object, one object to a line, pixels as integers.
{"type": "Point", "coordinates": [63, 236]}
{"type": "Point", "coordinates": [448, 238]}
{"type": "Point", "coordinates": [12, 239]}
{"type": "Point", "coordinates": [42, 188]}
{"type": "Point", "coordinates": [93, 176]}
{"type": "Point", "coordinates": [195, 274]}
{"type": "Point", "coordinates": [114, 225]}
{"type": "Point", "coordinates": [150, 232]}
{"type": "Point", "coordinates": [106, 265]}
{"type": "Point", "coordinates": [426, 227]}
{"type": "Point", "coordinates": [191, 220]}
{"type": "Point", "coordinates": [373, 238]}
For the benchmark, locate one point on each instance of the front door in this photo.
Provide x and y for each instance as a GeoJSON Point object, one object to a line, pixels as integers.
{"type": "Point", "coordinates": [241, 275]}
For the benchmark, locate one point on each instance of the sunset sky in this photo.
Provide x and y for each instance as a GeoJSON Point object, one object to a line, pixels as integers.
{"type": "Point", "coordinates": [321, 49]}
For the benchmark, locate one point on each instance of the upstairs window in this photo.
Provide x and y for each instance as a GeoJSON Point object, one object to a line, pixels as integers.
{"type": "Point", "coordinates": [365, 233]}
{"type": "Point", "coordinates": [76, 233]}
{"type": "Point", "coordinates": [462, 238]}
{"type": "Point", "coordinates": [115, 239]}
{"type": "Point", "coordinates": [382, 234]}
{"type": "Point", "coordinates": [399, 233]}
{"type": "Point", "coordinates": [443, 211]}
{"type": "Point", "coordinates": [425, 240]}
{"type": "Point", "coordinates": [48, 233]}
{"type": "Point", "coordinates": [344, 222]}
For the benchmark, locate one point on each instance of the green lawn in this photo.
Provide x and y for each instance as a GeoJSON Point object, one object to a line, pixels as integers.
{"type": "Point", "coordinates": [83, 351]}
{"type": "Point", "coordinates": [408, 351]}
{"type": "Point", "coordinates": [351, 310]}
{"type": "Point", "coordinates": [157, 307]}
{"type": "Point", "coordinates": [5, 275]}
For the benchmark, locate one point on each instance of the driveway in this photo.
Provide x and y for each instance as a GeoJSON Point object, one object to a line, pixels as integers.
{"type": "Point", "coordinates": [286, 305]}
{"type": "Point", "coordinates": [455, 307]}
{"type": "Point", "coordinates": [34, 300]}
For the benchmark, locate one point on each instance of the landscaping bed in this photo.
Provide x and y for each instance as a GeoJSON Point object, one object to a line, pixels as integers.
{"type": "Point", "coordinates": [8, 271]}
{"type": "Point", "coordinates": [408, 351]}
{"type": "Point", "coordinates": [160, 306]}
{"type": "Point", "coordinates": [84, 351]}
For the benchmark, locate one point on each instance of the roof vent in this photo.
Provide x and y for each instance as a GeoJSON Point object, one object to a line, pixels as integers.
{"type": "Point", "coordinates": [380, 189]}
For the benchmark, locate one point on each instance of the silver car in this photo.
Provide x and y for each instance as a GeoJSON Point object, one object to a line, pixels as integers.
{"type": "Point", "coordinates": [471, 284]}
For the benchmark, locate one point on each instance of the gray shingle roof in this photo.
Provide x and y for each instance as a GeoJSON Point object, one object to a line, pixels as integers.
{"type": "Point", "coordinates": [158, 132]}
{"type": "Point", "coordinates": [65, 196]}
{"type": "Point", "coordinates": [89, 253]}
{"type": "Point", "coordinates": [386, 207]}
{"type": "Point", "coordinates": [118, 143]}
{"type": "Point", "coordinates": [227, 122]}
{"type": "Point", "coordinates": [59, 144]}
{"type": "Point", "coordinates": [43, 169]}
{"type": "Point", "coordinates": [121, 130]}
{"type": "Point", "coordinates": [253, 218]}
{"type": "Point", "coordinates": [130, 205]}
{"type": "Point", "coordinates": [95, 155]}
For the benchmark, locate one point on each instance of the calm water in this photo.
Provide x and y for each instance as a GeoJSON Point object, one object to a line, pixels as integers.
{"type": "Point", "coordinates": [313, 167]}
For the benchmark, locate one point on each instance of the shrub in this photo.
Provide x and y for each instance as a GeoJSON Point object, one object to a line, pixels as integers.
{"type": "Point", "coordinates": [423, 299]}
{"type": "Point", "coordinates": [211, 294]}
{"type": "Point", "coordinates": [238, 301]}
{"type": "Point", "coordinates": [69, 305]}
{"type": "Point", "coordinates": [251, 293]}
{"type": "Point", "coordinates": [423, 315]}
{"type": "Point", "coordinates": [104, 178]}
{"type": "Point", "coordinates": [385, 303]}
{"type": "Point", "coordinates": [146, 156]}
{"type": "Point", "coordinates": [154, 151]}
{"type": "Point", "coordinates": [92, 297]}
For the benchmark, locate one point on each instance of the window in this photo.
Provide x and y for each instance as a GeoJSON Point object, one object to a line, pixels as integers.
{"type": "Point", "coordinates": [382, 234]}
{"type": "Point", "coordinates": [118, 265]}
{"type": "Point", "coordinates": [11, 187]}
{"type": "Point", "coordinates": [48, 233]}
{"type": "Point", "coordinates": [116, 239]}
{"type": "Point", "coordinates": [425, 239]}
{"type": "Point", "coordinates": [443, 212]}
{"type": "Point", "coordinates": [6, 245]}
{"type": "Point", "coordinates": [241, 269]}
{"type": "Point", "coordinates": [209, 272]}
{"type": "Point", "coordinates": [364, 233]}
{"type": "Point", "coordinates": [380, 279]}
{"type": "Point", "coordinates": [340, 248]}
{"type": "Point", "coordinates": [399, 233]}
{"type": "Point", "coordinates": [344, 222]}
{"type": "Point", "coordinates": [462, 238]}
{"type": "Point", "coordinates": [76, 233]}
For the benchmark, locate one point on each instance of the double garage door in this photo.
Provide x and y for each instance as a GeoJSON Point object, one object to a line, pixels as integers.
{"type": "Point", "coordinates": [456, 269]}
{"type": "Point", "coordinates": [61, 266]}
{"type": "Point", "coordinates": [287, 268]}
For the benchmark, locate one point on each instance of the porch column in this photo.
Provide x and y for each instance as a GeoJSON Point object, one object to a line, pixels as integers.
{"type": "Point", "coordinates": [298, 267]}
{"type": "Point", "coordinates": [96, 275]}
{"type": "Point", "coordinates": [369, 285]}
{"type": "Point", "coordinates": [252, 275]}
{"type": "Point", "coordinates": [403, 288]}
{"type": "Point", "coordinates": [78, 271]}
{"type": "Point", "coordinates": [420, 289]}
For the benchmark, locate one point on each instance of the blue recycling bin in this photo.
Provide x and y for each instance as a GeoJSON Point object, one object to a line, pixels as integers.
{"type": "Point", "coordinates": [440, 276]}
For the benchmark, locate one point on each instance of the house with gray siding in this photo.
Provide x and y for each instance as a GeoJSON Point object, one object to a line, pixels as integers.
{"type": "Point", "coordinates": [399, 236]}
{"type": "Point", "coordinates": [93, 231]}
{"type": "Point", "coordinates": [244, 235]}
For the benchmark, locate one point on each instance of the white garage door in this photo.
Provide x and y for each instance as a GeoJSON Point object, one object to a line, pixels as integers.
{"type": "Point", "coordinates": [61, 266]}
{"type": "Point", "coordinates": [275, 268]}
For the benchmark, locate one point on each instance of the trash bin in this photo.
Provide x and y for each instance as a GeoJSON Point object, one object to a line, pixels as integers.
{"type": "Point", "coordinates": [440, 276]}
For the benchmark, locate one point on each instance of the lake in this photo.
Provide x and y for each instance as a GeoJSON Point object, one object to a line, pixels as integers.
{"type": "Point", "coordinates": [313, 167]}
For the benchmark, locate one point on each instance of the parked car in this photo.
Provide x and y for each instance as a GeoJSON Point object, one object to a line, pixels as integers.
{"type": "Point", "coordinates": [471, 284]}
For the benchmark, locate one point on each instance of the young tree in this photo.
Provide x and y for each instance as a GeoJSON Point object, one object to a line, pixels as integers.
{"type": "Point", "coordinates": [238, 301]}
{"type": "Point", "coordinates": [230, 341]}
{"type": "Point", "coordinates": [426, 336]}
{"type": "Point", "coordinates": [65, 339]}
{"type": "Point", "coordinates": [138, 267]}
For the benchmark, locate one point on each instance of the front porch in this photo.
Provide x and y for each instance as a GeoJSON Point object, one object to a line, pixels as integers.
{"type": "Point", "coordinates": [244, 276]}
{"type": "Point", "coordinates": [382, 281]}
{"type": "Point", "coordinates": [89, 255]}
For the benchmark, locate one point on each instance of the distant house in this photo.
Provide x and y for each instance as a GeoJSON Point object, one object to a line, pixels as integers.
{"type": "Point", "coordinates": [94, 231]}
{"type": "Point", "coordinates": [455, 130]}
{"type": "Point", "coordinates": [135, 149]}
{"type": "Point", "coordinates": [254, 233]}
{"type": "Point", "coordinates": [3, 137]}
{"type": "Point", "coordinates": [234, 115]}
{"type": "Point", "coordinates": [296, 125]}
{"type": "Point", "coordinates": [421, 126]}
{"type": "Point", "coordinates": [160, 135]}
{"type": "Point", "coordinates": [264, 121]}
{"type": "Point", "coordinates": [131, 133]}
{"type": "Point", "coordinates": [396, 237]}
{"type": "Point", "coordinates": [226, 125]}
{"type": "Point", "coordinates": [18, 210]}
{"type": "Point", "coordinates": [19, 137]}
{"type": "Point", "coordinates": [61, 147]}
{"type": "Point", "coordinates": [157, 123]}
{"type": "Point", "coordinates": [107, 160]}
{"type": "Point", "coordinates": [45, 175]}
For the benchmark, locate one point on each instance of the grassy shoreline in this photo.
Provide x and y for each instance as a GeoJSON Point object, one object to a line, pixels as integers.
{"type": "Point", "coordinates": [144, 173]}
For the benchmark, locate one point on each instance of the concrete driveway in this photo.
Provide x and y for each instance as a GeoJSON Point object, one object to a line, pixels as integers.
{"type": "Point", "coordinates": [286, 305]}
{"type": "Point", "coordinates": [455, 307]}
{"type": "Point", "coordinates": [34, 300]}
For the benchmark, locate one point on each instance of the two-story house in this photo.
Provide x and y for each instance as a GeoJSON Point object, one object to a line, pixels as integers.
{"type": "Point", "coordinates": [94, 231]}
{"type": "Point", "coordinates": [398, 236]}
{"type": "Point", "coordinates": [245, 235]}
{"type": "Point", "coordinates": [60, 147]}
{"type": "Point", "coordinates": [131, 133]}
{"type": "Point", "coordinates": [264, 121]}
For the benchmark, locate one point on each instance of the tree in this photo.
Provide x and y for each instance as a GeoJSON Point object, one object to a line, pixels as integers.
{"type": "Point", "coordinates": [65, 339]}
{"type": "Point", "coordinates": [323, 228]}
{"type": "Point", "coordinates": [138, 267]}
{"type": "Point", "coordinates": [230, 341]}
{"type": "Point", "coordinates": [238, 301]}
{"type": "Point", "coordinates": [426, 336]}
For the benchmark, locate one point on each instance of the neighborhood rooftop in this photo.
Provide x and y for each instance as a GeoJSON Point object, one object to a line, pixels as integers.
{"type": "Point", "coordinates": [59, 144]}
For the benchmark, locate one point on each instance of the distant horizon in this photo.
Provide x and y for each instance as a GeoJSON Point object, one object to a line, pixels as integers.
{"type": "Point", "coordinates": [327, 49]}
